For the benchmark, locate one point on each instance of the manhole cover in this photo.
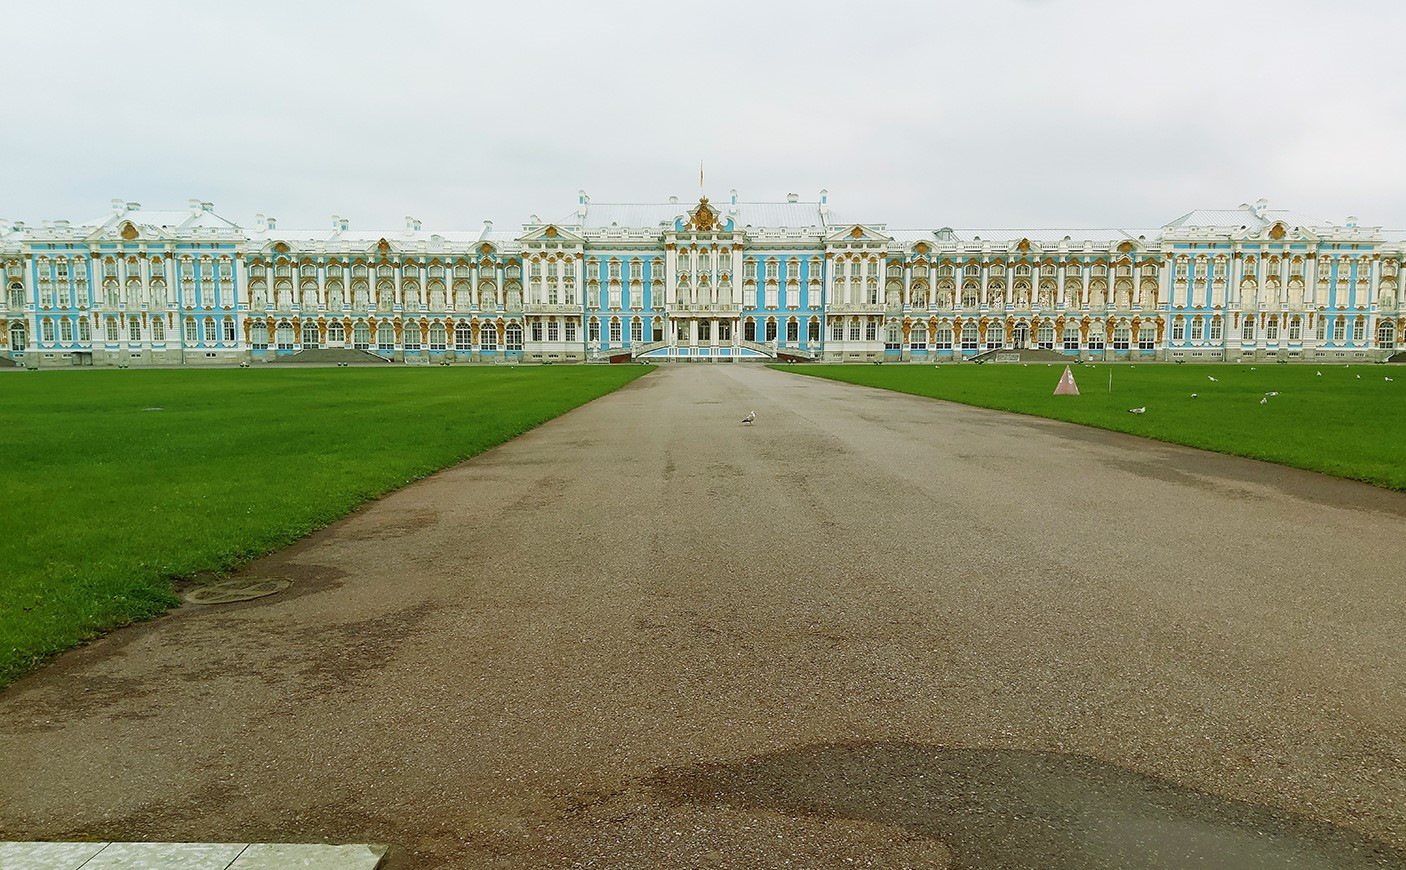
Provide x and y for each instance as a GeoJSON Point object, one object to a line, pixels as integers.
{"type": "Point", "coordinates": [230, 591]}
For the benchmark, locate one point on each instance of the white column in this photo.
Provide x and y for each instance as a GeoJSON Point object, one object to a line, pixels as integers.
{"type": "Point", "coordinates": [1087, 274]}
{"type": "Point", "coordinates": [399, 293]}
{"type": "Point", "coordinates": [985, 275]}
{"type": "Point", "coordinates": [500, 291]}
{"type": "Point", "coordinates": [908, 282]}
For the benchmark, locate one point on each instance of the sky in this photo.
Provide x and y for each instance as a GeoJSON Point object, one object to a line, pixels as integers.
{"type": "Point", "coordinates": [986, 113]}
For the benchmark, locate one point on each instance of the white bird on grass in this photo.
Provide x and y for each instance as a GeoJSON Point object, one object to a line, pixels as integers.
{"type": "Point", "coordinates": [1264, 401]}
{"type": "Point", "coordinates": [1359, 377]}
{"type": "Point", "coordinates": [1272, 393]}
{"type": "Point", "coordinates": [1209, 378]}
{"type": "Point", "coordinates": [1320, 374]}
{"type": "Point", "coordinates": [1193, 395]}
{"type": "Point", "coordinates": [1386, 379]}
{"type": "Point", "coordinates": [1142, 410]}
{"type": "Point", "coordinates": [751, 415]}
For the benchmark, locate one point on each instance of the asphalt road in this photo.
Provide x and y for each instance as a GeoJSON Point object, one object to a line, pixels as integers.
{"type": "Point", "coordinates": [869, 630]}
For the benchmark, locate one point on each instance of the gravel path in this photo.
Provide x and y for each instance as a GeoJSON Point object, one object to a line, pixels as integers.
{"type": "Point", "coordinates": [869, 630]}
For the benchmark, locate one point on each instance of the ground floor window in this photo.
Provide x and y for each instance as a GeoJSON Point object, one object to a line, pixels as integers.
{"type": "Point", "coordinates": [970, 336]}
{"type": "Point", "coordinates": [1271, 329]}
{"type": "Point", "coordinates": [813, 329]}
{"type": "Point", "coordinates": [1178, 329]}
{"type": "Point", "coordinates": [536, 328]}
{"type": "Point", "coordinates": [512, 336]}
{"type": "Point", "coordinates": [259, 336]}
{"type": "Point", "coordinates": [463, 335]}
{"type": "Point", "coordinates": [487, 336]}
{"type": "Point", "coordinates": [412, 336]}
{"type": "Point", "coordinates": [749, 330]}
{"type": "Point", "coordinates": [1215, 333]}
{"type": "Point", "coordinates": [724, 330]}
{"type": "Point", "coordinates": [1122, 337]}
{"type": "Point", "coordinates": [656, 331]}
{"type": "Point", "coordinates": [893, 337]}
{"type": "Point", "coordinates": [158, 330]}
{"type": "Point", "coordinates": [553, 330]}
{"type": "Point", "coordinates": [65, 330]}
{"type": "Point", "coordinates": [228, 330]}
{"type": "Point", "coordinates": [615, 332]}
{"type": "Point", "coordinates": [385, 336]}
{"type": "Point", "coordinates": [309, 334]}
{"type": "Point", "coordinates": [1296, 329]}
{"type": "Point", "coordinates": [284, 336]}
{"type": "Point", "coordinates": [837, 330]}
{"type": "Point", "coordinates": [1044, 336]}
{"type": "Point", "coordinates": [705, 330]}
{"type": "Point", "coordinates": [1096, 337]}
{"type": "Point", "coordinates": [1359, 330]}
{"type": "Point", "coordinates": [1339, 329]}
{"type": "Point", "coordinates": [593, 331]}
{"type": "Point", "coordinates": [854, 330]}
{"type": "Point", "coordinates": [336, 333]}
{"type": "Point", "coordinates": [361, 335]}
{"type": "Point", "coordinates": [570, 330]}
{"type": "Point", "coordinates": [1386, 335]}
{"type": "Point", "coordinates": [209, 330]}
{"type": "Point", "coordinates": [994, 336]}
{"type": "Point", "coordinates": [19, 336]}
{"type": "Point", "coordinates": [46, 330]}
{"type": "Point", "coordinates": [793, 332]}
{"type": "Point", "coordinates": [871, 330]}
{"type": "Point", "coordinates": [1071, 337]}
{"type": "Point", "coordinates": [771, 330]}
{"type": "Point", "coordinates": [942, 338]}
{"type": "Point", "coordinates": [192, 336]}
{"type": "Point", "coordinates": [110, 328]}
{"type": "Point", "coordinates": [1247, 329]}
{"type": "Point", "coordinates": [1147, 337]}
{"type": "Point", "coordinates": [918, 337]}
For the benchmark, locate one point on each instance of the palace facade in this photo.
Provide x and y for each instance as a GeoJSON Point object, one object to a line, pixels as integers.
{"type": "Point", "coordinates": [699, 281]}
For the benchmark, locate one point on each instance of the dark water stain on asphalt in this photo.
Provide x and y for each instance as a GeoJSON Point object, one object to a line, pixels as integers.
{"type": "Point", "coordinates": [1012, 808]}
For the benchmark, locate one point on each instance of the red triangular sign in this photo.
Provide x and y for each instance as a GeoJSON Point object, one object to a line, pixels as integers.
{"type": "Point", "coordinates": [1066, 387]}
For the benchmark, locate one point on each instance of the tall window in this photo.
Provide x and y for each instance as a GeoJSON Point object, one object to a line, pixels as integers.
{"type": "Point", "coordinates": [336, 334]}
{"type": "Point", "coordinates": [209, 330]}
{"type": "Point", "coordinates": [192, 333]}
{"type": "Point", "coordinates": [1359, 330]}
{"type": "Point", "coordinates": [259, 336]}
{"type": "Point", "coordinates": [158, 330]}
{"type": "Point", "coordinates": [411, 336]}
{"type": "Point", "coordinates": [1247, 329]}
{"type": "Point", "coordinates": [463, 336]}
{"type": "Point", "coordinates": [134, 330]}
{"type": "Point", "coordinates": [111, 330]}
{"type": "Point", "coordinates": [283, 335]}
{"type": "Point", "coordinates": [65, 330]}
{"type": "Point", "coordinates": [512, 336]}
{"type": "Point", "coordinates": [1071, 336]}
{"type": "Point", "coordinates": [310, 336]}
{"type": "Point", "coordinates": [361, 335]}
{"type": "Point", "coordinates": [636, 331]}
{"type": "Point", "coordinates": [385, 336]}
{"type": "Point", "coordinates": [918, 337]}
{"type": "Point", "coordinates": [439, 338]}
{"type": "Point", "coordinates": [46, 331]}
{"type": "Point", "coordinates": [615, 332]}
{"type": "Point", "coordinates": [1044, 336]}
{"type": "Point", "coordinates": [1216, 326]}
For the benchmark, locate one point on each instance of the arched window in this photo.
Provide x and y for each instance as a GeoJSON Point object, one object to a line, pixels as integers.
{"type": "Point", "coordinates": [361, 335]}
{"type": "Point", "coordinates": [110, 330]}
{"type": "Point", "coordinates": [336, 333]}
{"type": "Point", "coordinates": [463, 335]}
{"type": "Point", "coordinates": [310, 337]}
{"type": "Point", "coordinates": [1044, 336]}
{"type": "Point", "coordinates": [813, 330]}
{"type": "Point", "coordinates": [284, 335]}
{"type": "Point", "coordinates": [412, 336]}
{"type": "Point", "coordinates": [134, 330]}
{"type": "Point", "coordinates": [16, 295]}
{"type": "Point", "coordinates": [158, 330]}
{"type": "Point", "coordinates": [970, 336]}
{"type": "Point", "coordinates": [512, 336]}
{"type": "Point", "coordinates": [488, 336]}
{"type": "Point", "coordinates": [1247, 329]}
{"type": "Point", "coordinates": [19, 336]}
{"type": "Point", "coordinates": [385, 336]}
{"type": "Point", "coordinates": [918, 337]}
{"type": "Point", "coordinates": [259, 337]}
{"type": "Point", "coordinates": [1071, 336]}
{"type": "Point", "coordinates": [46, 331]}
{"type": "Point", "coordinates": [1386, 335]}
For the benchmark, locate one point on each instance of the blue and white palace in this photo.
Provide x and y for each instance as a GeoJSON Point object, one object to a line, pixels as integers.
{"type": "Point", "coordinates": [704, 281]}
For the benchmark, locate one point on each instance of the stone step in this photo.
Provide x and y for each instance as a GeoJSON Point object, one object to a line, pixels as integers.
{"type": "Point", "coordinates": [188, 856]}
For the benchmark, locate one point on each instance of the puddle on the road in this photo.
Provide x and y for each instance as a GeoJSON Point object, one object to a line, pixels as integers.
{"type": "Point", "coordinates": [1007, 808]}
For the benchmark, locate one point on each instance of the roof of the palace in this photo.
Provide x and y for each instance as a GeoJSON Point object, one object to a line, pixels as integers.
{"type": "Point", "coordinates": [1245, 217]}
{"type": "Point", "coordinates": [787, 215]}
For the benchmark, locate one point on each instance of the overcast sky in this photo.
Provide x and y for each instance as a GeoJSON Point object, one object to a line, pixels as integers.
{"type": "Point", "coordinates": [985, 113]}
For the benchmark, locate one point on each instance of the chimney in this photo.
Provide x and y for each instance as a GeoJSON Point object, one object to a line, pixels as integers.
{"type": "Point", "coordinates": [582, 200]}
{"type": "Point", "coordinates": [134, 206]}
{"type": "Point", "coordinates": [194, 205]}
{"type": "Point", "coordinates": [417, 225]}
{"type": "Point", "coordinates": [117, 206]}
{"type": "Point", "coordinates": [273, 223]}
{"type": "Point", "coordinates": [733, 193]}
{"type": "Point", "coordinates": [409, 222]}
{"type": "Point", "coordinates": [1260, 205]}
{"type": "Point", "coordinates": [336, 223]}
{"type": "Point", "coordinates": [673, 200]}
{"type": "Point", "coordinates": [1352, 221]}
{"type": "Point", "coordinates": [261, 223]}
{"type": "Point", "coordinates": [488, 226]}
{"type": "Point", "coordinates": [793, 197]}
{"type": "Point", "coordinates": [824, 196]}
{"type": "Point", "coordinates": [207, 206]}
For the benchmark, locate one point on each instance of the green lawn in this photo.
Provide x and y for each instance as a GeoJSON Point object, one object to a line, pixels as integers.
{"type": "Point", "coordinates": [1348, 421]}
{"type": "Point", "coordinates": [106, 502]}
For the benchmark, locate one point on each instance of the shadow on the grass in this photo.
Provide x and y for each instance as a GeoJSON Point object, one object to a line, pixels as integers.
{"type": "Point", "coordinates": [1009, 808]}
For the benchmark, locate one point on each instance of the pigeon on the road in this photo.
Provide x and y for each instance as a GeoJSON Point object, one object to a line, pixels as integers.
{"type": "Point", "coordinates": [751, 415]}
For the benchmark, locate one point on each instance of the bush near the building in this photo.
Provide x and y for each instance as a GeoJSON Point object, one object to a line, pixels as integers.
{"type": "Point", "coordinates": [1345, 420]}
{"type": "Point", "coordinates": [116, 482]}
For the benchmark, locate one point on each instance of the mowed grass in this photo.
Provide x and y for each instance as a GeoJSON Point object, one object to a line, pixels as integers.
{"type": "Point", "coordinates": [105, 502]}
{"type": "Point", "coordinates": [1348, 421]}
